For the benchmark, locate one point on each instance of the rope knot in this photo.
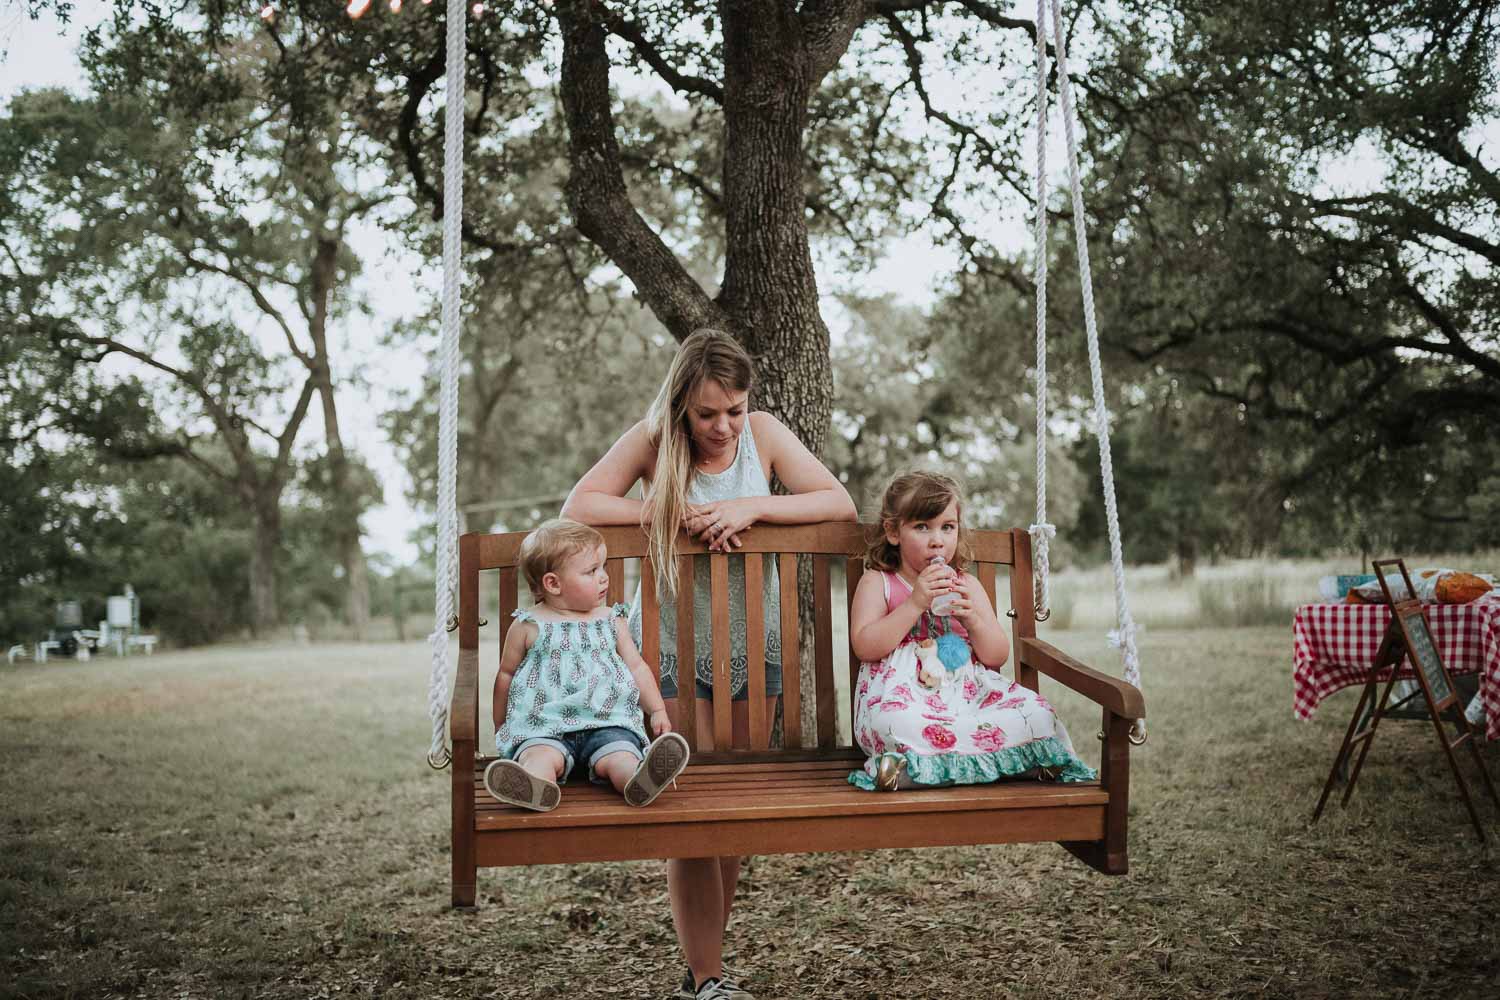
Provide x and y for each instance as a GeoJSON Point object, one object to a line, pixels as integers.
{"type": "Point", "coordinates": [1124, 637]}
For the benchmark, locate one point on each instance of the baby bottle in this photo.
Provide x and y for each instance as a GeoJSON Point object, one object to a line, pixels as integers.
{"type": "Point", "coordinates": [943, 603]}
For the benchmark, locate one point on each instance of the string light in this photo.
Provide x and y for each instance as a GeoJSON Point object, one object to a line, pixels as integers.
{"type": "Point", "coordinates": [268, 12]}
{"type": "Point", "coordinates": [357, 8]}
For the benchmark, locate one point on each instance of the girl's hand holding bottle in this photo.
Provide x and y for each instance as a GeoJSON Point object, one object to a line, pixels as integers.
{"type": "Point", "coordinates": [933, 582]}
{"type": "Point", "coordinates": [966, 596]}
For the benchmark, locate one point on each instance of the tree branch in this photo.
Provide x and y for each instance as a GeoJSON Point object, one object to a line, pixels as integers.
{"type": "Point", "coordinates": [1409, 214]}
{"type": "Point", "coordinates": [204, 465]}
{"type": "Point", "coordinates": [596, 189]}
{"type": "Point", "coordinates": [632, 33]}
{"type": "Point", "coordinates": [261, 301]}
{"type": "Point", "coordinates": [418, 84]}
{"type": "Point", "coordinates": [1451, 149]}
{"type": "Point", "coordinates": [288, 436]}
{"type": "Point", "coordinates": [981, 11]}
{"type": "Point", "coordinates": [991, 156]}
{"type": "Point", "coordinates": [828, 27]}
{"type": "Point", "coordinates": [1461, 348]}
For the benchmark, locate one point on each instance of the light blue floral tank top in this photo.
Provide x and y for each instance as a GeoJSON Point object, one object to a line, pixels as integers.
{"type": "Point", "coordinates": [743, 478]}
{"type": "Point", "coordinates": [572, 679]}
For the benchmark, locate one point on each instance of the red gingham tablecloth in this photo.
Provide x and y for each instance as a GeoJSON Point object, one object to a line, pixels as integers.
{"type": "Point", "coordinates": [1336, 643]}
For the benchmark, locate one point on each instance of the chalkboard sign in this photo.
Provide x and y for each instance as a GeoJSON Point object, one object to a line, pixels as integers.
{"type": "Point", "coordinates": [1407, 636]}
{"type": "Point", "coordinates": [1425, 655]}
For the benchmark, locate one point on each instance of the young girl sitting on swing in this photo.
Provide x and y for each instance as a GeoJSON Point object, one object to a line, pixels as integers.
{"type": "Point", "coordinates": [931, 706]}
{"type": "Point", "coordinates": [571, 684]}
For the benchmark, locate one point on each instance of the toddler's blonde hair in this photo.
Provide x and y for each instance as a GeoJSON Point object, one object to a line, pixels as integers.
{"type": "Point", "coordinates": [549, 545]}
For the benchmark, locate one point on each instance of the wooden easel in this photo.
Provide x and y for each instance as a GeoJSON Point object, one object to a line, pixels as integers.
{"type": "Point", "coordinates": [1408, 636]}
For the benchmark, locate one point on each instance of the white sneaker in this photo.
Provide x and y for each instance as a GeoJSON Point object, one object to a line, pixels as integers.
{"type": "Point", "coordinates": [721, 989]}
{"type": "Point", "coordinates": [665, 759]}
{"type": "Point", "coordinates": [728, 981]}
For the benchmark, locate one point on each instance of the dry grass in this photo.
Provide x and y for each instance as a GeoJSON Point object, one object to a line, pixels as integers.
{"type": "Point", "coordinates": [1229, 594]}
{"type": "Point", "coordinates": [258, 822]}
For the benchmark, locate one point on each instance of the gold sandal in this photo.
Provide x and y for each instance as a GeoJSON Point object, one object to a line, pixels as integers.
{"type": "Point", "coordinates": [890, 773]}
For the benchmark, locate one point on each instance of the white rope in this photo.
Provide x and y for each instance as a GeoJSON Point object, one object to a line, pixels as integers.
{"type": "Point", "coordinates": [1123, 637]}
{"type": "Point", "coordinates": [445, 580]}
{"type": "Point", "coordinates": [1042, 532]}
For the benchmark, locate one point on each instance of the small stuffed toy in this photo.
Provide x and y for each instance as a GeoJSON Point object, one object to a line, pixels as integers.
{"type": "Point", "coordinates": [936, 661]}
{"type": "Point", "coordinates": [930, 671]}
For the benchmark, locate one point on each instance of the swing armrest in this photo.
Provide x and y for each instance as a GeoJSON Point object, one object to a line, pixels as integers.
{"type": "Point", "coordinates": [463, 717]}
{"type": "Point", "coordinates": [1123, 699]}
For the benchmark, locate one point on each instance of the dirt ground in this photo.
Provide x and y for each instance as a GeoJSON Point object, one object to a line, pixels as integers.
{"type": "Point", "coordinates": [259, 822]}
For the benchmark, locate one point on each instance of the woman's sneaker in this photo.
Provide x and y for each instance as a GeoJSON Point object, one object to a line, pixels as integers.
{"type": "Point", "coordinates": [721, 989]}
{"type": "Point", "coordinates": [665, 759]}
{"type": "Point", "coordinates": [729, 985]}
{"type": "Point", "coordinates": [514, 785]}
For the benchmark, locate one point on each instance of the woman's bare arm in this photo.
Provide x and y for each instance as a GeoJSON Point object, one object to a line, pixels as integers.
{"type": "Point", "coordinates": [599, 498]}
{"type": "Point", "coordinates": [815, 493]}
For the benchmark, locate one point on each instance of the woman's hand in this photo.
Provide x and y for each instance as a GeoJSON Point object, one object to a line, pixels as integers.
{"type": "Point", "coordinates": [661, 722]}
{"type": "Point", "coordinates": [720, 523]}
{"type": "Point", "coordinates": [933, 582]}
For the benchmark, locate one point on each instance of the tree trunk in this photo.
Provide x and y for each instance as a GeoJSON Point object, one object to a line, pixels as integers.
{"type": "Point", "coordinates": [345, 504]}
{"type": "Point", "coordinates": [264, 546]}
{"type": "Point", "coordinates": [770, 291]}
{"type": "Point", "coordinates": [774, 57]}
{"type": "Point", "coordinates": [1187, 557]}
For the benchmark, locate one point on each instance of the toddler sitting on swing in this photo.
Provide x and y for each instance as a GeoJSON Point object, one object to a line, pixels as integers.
{"type": "Point", "coordinates": [931, 707]}
{"type": "Point", "coordinates": [571, 684]}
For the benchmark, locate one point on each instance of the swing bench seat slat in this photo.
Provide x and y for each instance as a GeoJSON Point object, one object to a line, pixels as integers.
{"type": "Point", "coordinates": [716, 809]}
{"type": "Point", "coordinates": [754, 799]}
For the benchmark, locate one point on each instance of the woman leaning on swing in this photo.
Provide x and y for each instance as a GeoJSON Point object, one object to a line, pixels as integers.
{"type": "Point", "coordinates": [705, 462]}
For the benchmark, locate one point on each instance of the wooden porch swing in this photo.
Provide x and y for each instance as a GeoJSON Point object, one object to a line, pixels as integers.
{"type": "Point", "coordinates": [757, 799]}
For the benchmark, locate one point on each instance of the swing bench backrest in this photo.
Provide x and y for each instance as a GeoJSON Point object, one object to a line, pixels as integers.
{"type": "Point", "coordinates": [761, 799]}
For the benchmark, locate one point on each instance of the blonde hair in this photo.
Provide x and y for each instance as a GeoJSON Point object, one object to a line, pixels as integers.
{"type": "Point", "coordinates": [915, 496]}
{"type": "Point", "coordinates": [705, 354]}
{"type": "Point", "coordinates": [549, 545]}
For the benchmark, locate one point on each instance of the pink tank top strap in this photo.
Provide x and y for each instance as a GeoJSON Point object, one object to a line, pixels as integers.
{"type": "Point", "coordinates": [898, 590]}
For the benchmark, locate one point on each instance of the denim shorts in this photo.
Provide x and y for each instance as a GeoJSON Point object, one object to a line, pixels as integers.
{"type": "Point", "coordinates": [586, 747]}
{"type": "Point", "coordinates": [705, 692]}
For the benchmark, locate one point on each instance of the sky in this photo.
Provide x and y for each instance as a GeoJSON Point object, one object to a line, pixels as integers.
{"type": "Point", "coordinates": [40, 53]}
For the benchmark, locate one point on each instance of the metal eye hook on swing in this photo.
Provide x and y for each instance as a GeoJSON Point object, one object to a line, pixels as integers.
{"type": "Point", "coordinates": [452, 625]}
{"type": "Point", "coordinates": [439, 762]}
{"type": "Point", "coordinates": [1136, 735]}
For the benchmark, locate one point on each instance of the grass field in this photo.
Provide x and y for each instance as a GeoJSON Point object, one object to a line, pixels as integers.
{"type": "Point", "coordinates": [259, 822]}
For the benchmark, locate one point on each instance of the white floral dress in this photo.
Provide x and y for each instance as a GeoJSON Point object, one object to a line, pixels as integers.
{"type": "Point", "coordinates": [977, 728]}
